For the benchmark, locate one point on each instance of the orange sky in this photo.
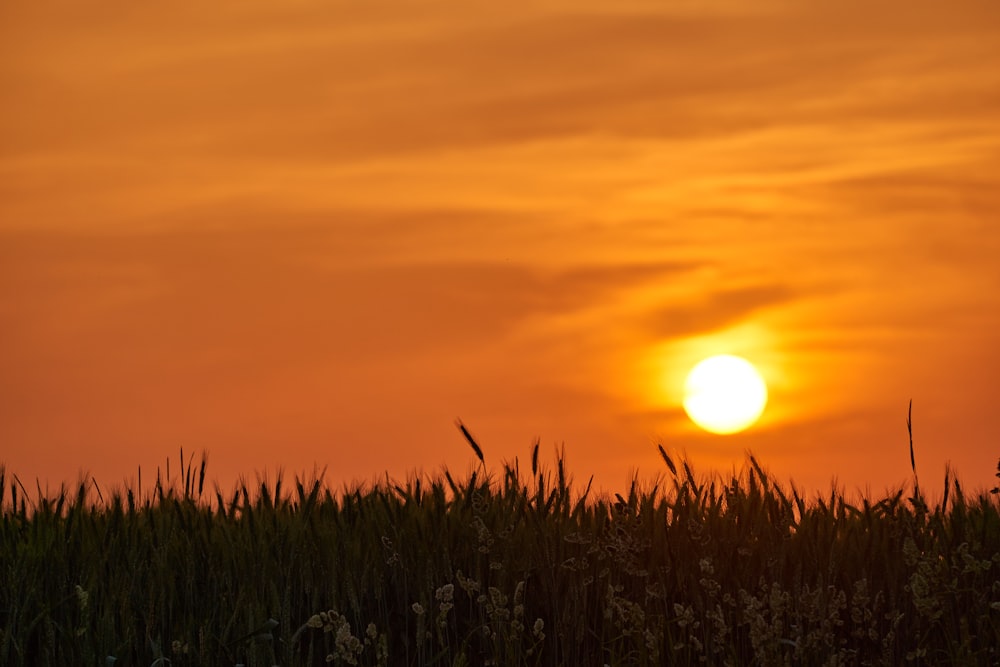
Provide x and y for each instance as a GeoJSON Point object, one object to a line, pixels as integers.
{"type": "Point", "coordinates": [316, 232]}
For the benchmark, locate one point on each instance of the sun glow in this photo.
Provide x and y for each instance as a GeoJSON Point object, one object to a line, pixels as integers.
{"type": "Point", "coordinates": [724, 394]}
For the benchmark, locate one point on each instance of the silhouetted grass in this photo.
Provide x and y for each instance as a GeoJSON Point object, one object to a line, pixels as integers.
{"type": "Point", "coordinates": [510, 569]}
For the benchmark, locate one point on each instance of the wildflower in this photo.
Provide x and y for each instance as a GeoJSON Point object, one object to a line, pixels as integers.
{"type": "Point", "coordinates": [651, 643]}
{"type": "Point", "coordinates": [470, 586]}
{"type": "Point", "coordinates": [328, 618]}
{"type": "Point", "coordinates": [685, 615]}
{"type": "Point", "coordinates": [497, 597]}
{"type": "Point", "coordinates": [538, 628]}
{"type": "Point", "coordinates": [417, 608]}
{"type": "Point", "coordinates": [446, 593]}
{"type": "Point", "coordinates": [82, 597]}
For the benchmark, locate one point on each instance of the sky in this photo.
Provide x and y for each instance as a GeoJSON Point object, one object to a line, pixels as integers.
{"type": "Point", "coordinates": [312, 234]}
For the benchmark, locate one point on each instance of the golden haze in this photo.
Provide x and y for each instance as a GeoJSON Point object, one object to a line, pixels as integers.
{"type": "Point", "coordinates": [318, 232]}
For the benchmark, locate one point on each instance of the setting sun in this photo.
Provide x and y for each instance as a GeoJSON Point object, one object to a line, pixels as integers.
{"type": "Point", "coordinates": [724, 394]}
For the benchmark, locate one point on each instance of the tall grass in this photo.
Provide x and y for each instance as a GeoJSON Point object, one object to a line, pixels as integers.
{"type": "Point", "coordinates": [515, 568]}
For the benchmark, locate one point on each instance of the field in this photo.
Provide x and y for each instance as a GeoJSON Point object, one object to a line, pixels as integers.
{"type": "Point", "coordinates": [521, 568]}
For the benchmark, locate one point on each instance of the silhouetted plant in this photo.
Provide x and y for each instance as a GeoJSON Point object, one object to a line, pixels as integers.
{"type": "Point", "coordinates": [497, 569]}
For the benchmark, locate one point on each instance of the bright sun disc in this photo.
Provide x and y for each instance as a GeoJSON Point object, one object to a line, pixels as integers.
{"type": "Point", "coordinates": [724, 394]}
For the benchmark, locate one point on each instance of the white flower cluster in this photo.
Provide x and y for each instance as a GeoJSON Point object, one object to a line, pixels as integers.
{"type": "Point", "coordinates": [347, 647]}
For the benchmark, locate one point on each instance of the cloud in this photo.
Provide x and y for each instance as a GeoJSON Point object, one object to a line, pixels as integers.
{"type": "Point", "coordinates": [263, 296]}
{"type": "Point", "coordinates": [323, 82]}
{"type": "Point", "coordinates": [716, 310]}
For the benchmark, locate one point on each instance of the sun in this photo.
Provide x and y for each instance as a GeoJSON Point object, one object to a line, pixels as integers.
{"type": "Point", "coordinates": [724, 394]}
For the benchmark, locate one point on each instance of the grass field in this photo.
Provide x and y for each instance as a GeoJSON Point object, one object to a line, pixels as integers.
{"type": "Point", "coordinates": [514, 569]}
